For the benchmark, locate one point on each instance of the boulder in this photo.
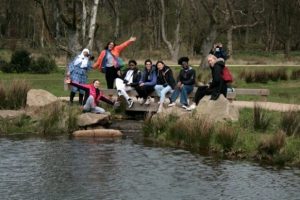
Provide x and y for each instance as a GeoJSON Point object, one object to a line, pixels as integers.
{"type": "Point", "coordinates": [97, 133]}
{"type": "Point", "coordinates": [11, 114]}
{"type": "Point", "coordinates": [91, 119]}
{"type": "Point", "coordinates": [39, 98]}
{"type": "Point", "coordinates": [218, 110]}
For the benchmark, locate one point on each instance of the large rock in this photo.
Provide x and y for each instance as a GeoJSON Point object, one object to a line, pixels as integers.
{"type": "Point", "coordinates": [39, 98]}
{"type": "Point", "coordinates": [218, 110]}
{"type": "Point", "coordinates": [90, 119]}
{"type": "Point", "coordinates": [11, 114]}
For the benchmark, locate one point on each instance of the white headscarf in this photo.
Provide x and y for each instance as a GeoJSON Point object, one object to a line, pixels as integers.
{"type": "Point", "coordinates": [82, 59]}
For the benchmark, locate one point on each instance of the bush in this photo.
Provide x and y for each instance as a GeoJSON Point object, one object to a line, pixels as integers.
{"type": "Point", "coordinates": [8, 68]}
{"type": "Point", "coordinates": [226, 137]}
{"type": "Point", "coordinates": [295, 74]}
{"type": "Point", "coordinates": [21, 61]}
{"type": "Point", "coordinates": [16, 94]}
{"type": "Point", "coordinates": [272, 144]}
{"type": "Point", "coordinates": [290, 123]}
{"type": "Point", "coordinates": [43, 65]}
{"type": "Point", "coordinates": [261, 121]}
{"type": "Point", "coordinates": [2, 96]}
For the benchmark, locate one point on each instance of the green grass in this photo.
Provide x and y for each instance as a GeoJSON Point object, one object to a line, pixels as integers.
{"type": "Point", "coordinates": [280, 91]}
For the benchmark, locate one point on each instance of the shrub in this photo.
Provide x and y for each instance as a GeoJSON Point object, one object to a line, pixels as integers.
{"type": "Point", "coordinates": [271, 145]}
{"type": "Point", "coordinates": [14, 96]}
{"type": "Point", "coordinates": [21, 60]}
{"type": "Point", "coordinates": [226, 137]}
{"type": "Point", "coordinates": [43, 65]}
{"type": "Point", "coordinates": [2, 96]}
{"type": "Point", "coordinates": [8, 68]}
{"type": "Point", "coordinates": [261, 76]}
{"type": "Point", "coordinates": [290, 122]}
{"type": "Point", "coordinates": [51, 119]}
{"type": "Point", "coordinates": [261, 121]}
{"type": "Point", "coordinates": [283, 74]}
{"type": "Point", "coordinates": [295, 75]}
{"type": "Point", "coordinates": [249, 77]}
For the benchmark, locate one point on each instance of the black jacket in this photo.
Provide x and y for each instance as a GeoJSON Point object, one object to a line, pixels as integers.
{"type": "Point", "coordinates": [165, 77]}
{"type": "Point", "coordinates": [187, 76]}
{"type": "Point", "coordinates": [136, 77]}
{"type": "Point", "coordinates": [218, 85]}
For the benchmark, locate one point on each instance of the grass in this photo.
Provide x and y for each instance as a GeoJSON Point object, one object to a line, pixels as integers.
{"type": "Point", "coordinates": [231, 139]}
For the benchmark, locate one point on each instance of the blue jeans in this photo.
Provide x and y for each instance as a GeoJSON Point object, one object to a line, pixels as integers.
{"type": "Point", "coordinates": [184, 92]}
{"type": "Point", "coordinates": [161, 91]}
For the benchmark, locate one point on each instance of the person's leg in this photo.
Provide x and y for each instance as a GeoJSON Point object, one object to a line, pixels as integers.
{"type": "Point", "coordinates": [163, 93]}
{"type": "Point", "coordinates": [98, 110]}
{"type": "Point", "coordinates": [89, 104]}
{"type": "Point", "coordinates": [185, 91]}
{"type": "Point", "coordinates": [142, 91]}
{"type": "Point", "coordinates": [158, 89]}
{"type": "Point", "coordinates": [73, 93]}
{"type": "Point", "coordinates": [110, 77]}
{"type": "Point", "coordinates": [81, 98]}
{"type": "Point", "coordinates": [175, 95]}
{"type": "Point", "coordinates": [200, 93]}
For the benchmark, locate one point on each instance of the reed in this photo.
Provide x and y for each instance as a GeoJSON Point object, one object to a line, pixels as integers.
{"type": "Point", "coordinates": [226, 137]}
{"type": "Point", "coordinates": [290, 123]}
{"type": "Point", "coordinates": [261, 121]}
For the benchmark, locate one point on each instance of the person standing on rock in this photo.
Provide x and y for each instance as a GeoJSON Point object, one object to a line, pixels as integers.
{"type": "Point", "coordinates": [78, 70]}
{"type": "Point", "coordinates": [94, 96]}
{"type": "Point", "coordinates": [109, 61]}
{"type": "Point", "coordinates": [217, 86]}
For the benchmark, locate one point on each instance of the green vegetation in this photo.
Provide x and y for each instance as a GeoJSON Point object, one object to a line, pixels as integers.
{"type": "Point", "coordinates": [235, 140]}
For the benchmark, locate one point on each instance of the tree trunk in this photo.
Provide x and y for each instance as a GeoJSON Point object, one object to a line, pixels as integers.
{"type": "Point", "coordinates": [173, 49]}
{"type": "Point", "coordinates": [93, 25]}
{"type": "Point", "coordinates": [207, 43]}
{"type": "Point", "coordinates": [229, 41]}
{"type": "Point", "coordinates": [84, 19]}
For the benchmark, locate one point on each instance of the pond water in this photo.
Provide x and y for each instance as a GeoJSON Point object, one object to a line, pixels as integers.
{"type": "Point", "coordinates": [68, 168]}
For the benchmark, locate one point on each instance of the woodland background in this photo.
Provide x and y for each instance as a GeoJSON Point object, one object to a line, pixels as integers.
{"type": "Point", "coordinates": [166, 29]}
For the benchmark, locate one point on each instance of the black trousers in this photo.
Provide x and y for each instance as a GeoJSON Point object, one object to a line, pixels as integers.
{"type": "Point", "coordinates": [205, 90]}
{"type": "Point", "coordinates": [144, 91]}
{"type": "Point", "coordinates": [110, 76]}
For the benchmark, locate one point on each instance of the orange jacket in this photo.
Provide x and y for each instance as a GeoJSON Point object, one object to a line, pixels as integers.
{"type": "Point", "coordinates": [115, 51]}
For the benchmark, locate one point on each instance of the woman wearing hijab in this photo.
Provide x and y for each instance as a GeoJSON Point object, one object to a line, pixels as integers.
{"type": "Point", "coordinates": [78, 72]}
{"type": "Point", "coordinates": [108, 61]}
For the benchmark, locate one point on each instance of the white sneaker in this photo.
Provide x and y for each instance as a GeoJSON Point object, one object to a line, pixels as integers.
{"type": "Point", "coordinates": [130, 103]}
{"type": "Point", "coordinates": [148, 101]}
{"type": "Point", "coordinates": [192, 107]}
{"type": "Point", "coordinates": [184, 107]}
{"type": "Point", "coordinates": [171, 104]}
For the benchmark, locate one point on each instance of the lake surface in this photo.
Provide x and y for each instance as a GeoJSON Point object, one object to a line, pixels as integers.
{"type": "Point", "coordinates": [68, 168]}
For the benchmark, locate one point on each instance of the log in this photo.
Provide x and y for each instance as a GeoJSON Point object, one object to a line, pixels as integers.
{"type": "Point", "coordinates": [97, 133]}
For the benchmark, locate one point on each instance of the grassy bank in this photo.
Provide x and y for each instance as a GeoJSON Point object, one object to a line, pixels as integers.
{"type": "Point", "coordinates": [284, 91]}
{"type": "Point", "coordinates": [258, 135]}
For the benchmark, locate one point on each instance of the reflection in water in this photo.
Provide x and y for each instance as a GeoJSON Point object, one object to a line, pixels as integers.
{"type": "Point", "coordinates": [121, 169]}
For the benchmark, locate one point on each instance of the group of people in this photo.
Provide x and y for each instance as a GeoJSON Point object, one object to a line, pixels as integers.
{"type": "Point", "coordinates": [156, 77]}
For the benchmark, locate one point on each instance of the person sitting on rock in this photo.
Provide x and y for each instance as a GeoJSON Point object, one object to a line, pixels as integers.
{"type": "Point", "coordinates": [94, 96]}
{"type": "Point", "coordinates": [128, 81]}
{"type": "Point", "coordinates": [147, 82]}
{"type": "Point", "coordinates": [165, 82]}
{"type": "Point", "coordinates": [185, 83]}
{"type": "Point", "coordinates": [217, 86]}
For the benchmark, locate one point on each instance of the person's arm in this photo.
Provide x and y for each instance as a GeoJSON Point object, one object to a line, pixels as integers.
{"type": "Point", "coordinates": [80, 86]}
{"type": "Point", "coordinates": [106, 100]}
{"type": "Point", "coordinates": [119, 48]}
{"type": "Point", "coordinates": [217, 75]}
{"type": "Point", "coordinates": [99, 61]}
{"type": "Point", "coordinates": [135, 82]}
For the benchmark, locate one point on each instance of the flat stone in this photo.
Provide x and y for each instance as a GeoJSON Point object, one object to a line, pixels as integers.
{"type": "Point", "coordinates": [11, 114]}
{"type": "Point", "coordinates": [39, 98]}
{"type": "Point", "coordinates": [90, 119]}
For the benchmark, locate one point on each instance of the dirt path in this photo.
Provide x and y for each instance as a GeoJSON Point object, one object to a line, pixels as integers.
{"type": "Point", "coordinates": [283, 107]}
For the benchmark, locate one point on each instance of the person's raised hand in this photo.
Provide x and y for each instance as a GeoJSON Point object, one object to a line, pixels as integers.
{"type": "Point", "coordinates": [68, 80]}
{"type": "Point", "coordinates": [132, 39]}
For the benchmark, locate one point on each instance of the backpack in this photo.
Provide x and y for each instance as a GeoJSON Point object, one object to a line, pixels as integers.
{"type": "Point", "coordinates": [226, 75]}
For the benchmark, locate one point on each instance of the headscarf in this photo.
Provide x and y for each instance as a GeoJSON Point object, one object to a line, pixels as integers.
{"type": "Point", "coordinates": [82, 59]}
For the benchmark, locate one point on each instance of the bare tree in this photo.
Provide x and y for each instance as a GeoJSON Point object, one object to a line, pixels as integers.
{"type": "Point", "coordinates": [173, 48]}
